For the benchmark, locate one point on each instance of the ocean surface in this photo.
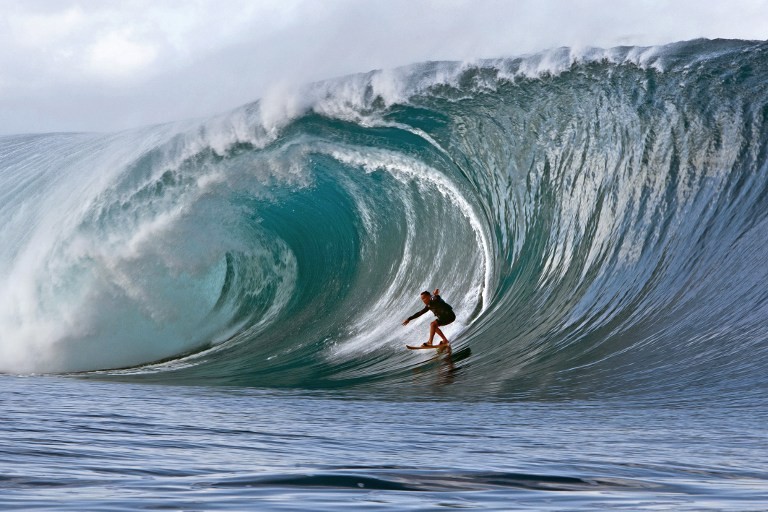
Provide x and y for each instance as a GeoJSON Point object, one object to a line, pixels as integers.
{"type": "Point", "coordinates": [207, 314]}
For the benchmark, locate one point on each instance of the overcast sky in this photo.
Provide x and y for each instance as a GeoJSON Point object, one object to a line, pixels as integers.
{"type": "Point", "coordinates": [68, 65]}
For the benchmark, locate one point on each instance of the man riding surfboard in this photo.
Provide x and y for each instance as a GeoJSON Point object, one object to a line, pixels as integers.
{"type": "Point", "coordinates": [443, 312]}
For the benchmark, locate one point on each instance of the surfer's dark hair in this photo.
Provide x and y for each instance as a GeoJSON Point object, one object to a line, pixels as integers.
{"type": "Point", "coordinates": [426, 293]}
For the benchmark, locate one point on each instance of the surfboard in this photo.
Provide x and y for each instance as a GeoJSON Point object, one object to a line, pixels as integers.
{"type": "Point", "coordinates": [422, 347]}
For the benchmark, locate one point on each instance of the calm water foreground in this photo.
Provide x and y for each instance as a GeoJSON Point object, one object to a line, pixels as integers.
{"type": "Point", "coordinates": [71, 444]}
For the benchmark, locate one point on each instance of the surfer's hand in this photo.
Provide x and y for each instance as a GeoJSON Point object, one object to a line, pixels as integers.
{"type": "Point", "coordinates": [405, 322]}
{"type": "Point", "coordinates": [437, 291]}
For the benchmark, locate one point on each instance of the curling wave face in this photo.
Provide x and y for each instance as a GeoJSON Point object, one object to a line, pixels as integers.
{"type": "Point", "coordinates": [597, 221]}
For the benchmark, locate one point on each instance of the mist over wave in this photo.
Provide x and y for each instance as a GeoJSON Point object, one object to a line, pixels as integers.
{"type": "Point", "coordinates": [596, 218]}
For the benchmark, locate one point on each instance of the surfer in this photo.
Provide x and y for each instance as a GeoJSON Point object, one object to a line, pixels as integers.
{"type": "Point", "coordinates": [443, 312]}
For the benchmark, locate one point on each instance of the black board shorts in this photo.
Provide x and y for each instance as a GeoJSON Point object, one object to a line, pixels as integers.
{"type": "Point", "coordinates": [446, 319]}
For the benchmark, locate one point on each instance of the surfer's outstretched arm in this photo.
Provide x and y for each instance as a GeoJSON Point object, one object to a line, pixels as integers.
{"type": "Point", "coordinates": [415, 315]}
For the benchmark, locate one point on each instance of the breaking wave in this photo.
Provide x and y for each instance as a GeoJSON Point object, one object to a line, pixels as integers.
{"type": "Point", "coordinates": [597, 219]}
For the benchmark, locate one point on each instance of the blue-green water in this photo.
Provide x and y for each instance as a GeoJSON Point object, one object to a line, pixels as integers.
{"type": "Point", "coordinates": [207, 315]}
{"type": "Point", "coordinates": [118, 446]}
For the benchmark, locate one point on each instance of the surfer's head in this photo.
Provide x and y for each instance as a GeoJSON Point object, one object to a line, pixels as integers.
{"type": "Point", "coordinates": [425, 297]}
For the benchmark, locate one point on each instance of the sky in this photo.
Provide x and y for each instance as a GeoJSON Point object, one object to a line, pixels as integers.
{"type": "Point", "coordinates": [101, 65]}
